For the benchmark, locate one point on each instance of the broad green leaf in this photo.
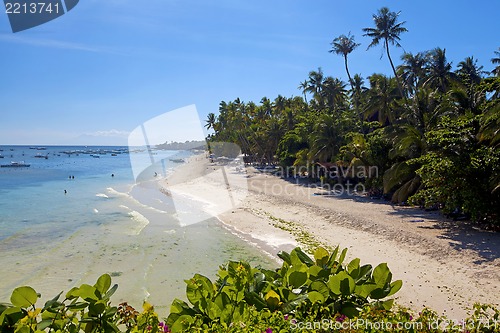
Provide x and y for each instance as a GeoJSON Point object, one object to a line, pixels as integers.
{"type": "Point", "coordinates": [23, 297]}
{"type": "Point", "coordinates": [385, 305]}
{"type": "Point", "coordinates": [272, 299]}
{"type": "Point", "coordinates": [321, 256]}
{"type": "Point", "coordinates": [364, 290]}
{"type": "Point", "coordinates": [395, 287]}
{"type": "Point", "coordinates": [353, 265]}
{"type": "Point", "coordinates": [341, 284]}
{"type": "Point", "coordinates": [88, 293]}
{"type": "Point", "coordinates": [180, 323]}
{"type": "Point", "coordinates": [73, 293]}
{"type": "Point", "coordinates": [379, 293]}
{"type": "Point", "coordinates": [382, 275]}
{"type": "Point", "coordinates": [297, 278]}
{"type": "Point", "coordinates": [103, 283]}
{"type": "Point", "coordinates": [321, 287]}
{"type": "Point", "coordinates": [97, 308]}
{"type": "Point", "coordinates": [314, 272]}
{"type": "Point", "coordinates": [199, 290]}
{"type": "Point", "coordinates": [315, 297]}
{"type": "Point", "coordinates": [14, 314]}
{"type": "Point", "coordinates": [178, 306]}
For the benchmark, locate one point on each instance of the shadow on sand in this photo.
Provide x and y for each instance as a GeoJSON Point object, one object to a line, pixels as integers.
{"type": "Point", "coordinates": [462, 235]}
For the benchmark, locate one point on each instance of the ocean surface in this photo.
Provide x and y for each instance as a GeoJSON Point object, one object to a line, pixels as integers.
{"type": "Point", "coordinates": [77, 212]}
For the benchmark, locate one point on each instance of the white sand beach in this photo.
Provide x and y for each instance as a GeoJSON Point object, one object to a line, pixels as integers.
{"type": "Point", "coordinates": [444, 265]}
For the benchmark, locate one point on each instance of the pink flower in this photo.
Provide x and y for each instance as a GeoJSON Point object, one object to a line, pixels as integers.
{"type": "Point", "coordinates": [164, 327]}
{"type": "Point", "coordinates": [341, 318]}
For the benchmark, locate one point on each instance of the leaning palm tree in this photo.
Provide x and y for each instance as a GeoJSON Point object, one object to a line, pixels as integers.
{"type": "Point", "coordinates": [343, 45]}
{"type": "Point", "coordinates": [387, 29]}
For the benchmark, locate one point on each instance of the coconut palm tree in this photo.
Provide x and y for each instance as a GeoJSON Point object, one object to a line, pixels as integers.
{"type": "Point", "coordinates": [303, 87]}
{"type": "Point", "coordinates": [413, 71]}
{"type": "Point", "coordinates": [381, 99]}
{"type": "Point", "coordinates": [326, 139]}
{"type": "Point", "coordinates": [440, 75]}
{"type": "Point", "coordinates": [334, 93]}
{"type": "Point", "coordinates": [387, 30]}
{"type": "Point", "coordinates": [343, 45]}
{"type": "Point", "coordinates": [469, 71]}
{"type": "Point", "coordinates": [315, 84]}
{"type": "Point", "coordinates": [211, 120]}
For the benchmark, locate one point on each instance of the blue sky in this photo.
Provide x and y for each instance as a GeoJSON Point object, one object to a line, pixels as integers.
{"type": "Point", "coordinates": [99, 71]}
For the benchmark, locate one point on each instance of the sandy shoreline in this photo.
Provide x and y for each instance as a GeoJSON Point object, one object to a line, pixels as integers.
{"type": "Point", "coordinates": [443, 266]}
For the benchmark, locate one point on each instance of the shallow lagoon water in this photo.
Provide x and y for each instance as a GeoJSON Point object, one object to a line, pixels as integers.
{"type": "Point", "coordinates": [54, 240]}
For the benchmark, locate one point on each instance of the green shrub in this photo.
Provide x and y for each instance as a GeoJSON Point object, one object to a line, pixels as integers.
{"type": "Point", "coordinates": [319, 294]}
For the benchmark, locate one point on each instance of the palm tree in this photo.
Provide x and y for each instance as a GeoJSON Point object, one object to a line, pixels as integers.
{"type": "Point", "coordinates": [333, 92]}
{"type": "Point", "coordinates": [496, 61]}
{"type": "Point", "coordinates": [315, 84]}
{"type": "Point", "coordinates": [413, 71]}
{"type": "Point", "coordinates": [211, 120]}
{"type": "Point", "coordinates": [303, 87]}
{"type": "Point", "coordinates": [326, 139]}
{"type": "Point", "coordinates": [387, 29]}
{"type": "Point", "coordinates": [439, 71]}
{"type": "Point", "coordinates": [381, 99]}
{"type": "Point", "coordinates": [469, 71]}
{"type": "Point", "coordinates": [357, 94]}
{"type": "Point", "coordinates": [343, 45]}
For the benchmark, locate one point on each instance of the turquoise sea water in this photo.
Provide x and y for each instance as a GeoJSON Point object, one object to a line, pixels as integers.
{"type": "Point", "coordinates": [70, 217]}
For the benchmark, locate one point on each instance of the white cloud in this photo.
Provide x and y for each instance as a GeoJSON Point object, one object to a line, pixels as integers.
{"type": "Point", "coordinates": [109, 133]}
{"type": "Point", "coordinates": [53, 44]}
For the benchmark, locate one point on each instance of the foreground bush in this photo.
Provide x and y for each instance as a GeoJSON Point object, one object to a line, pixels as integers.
{"type": "Point", "coordinates": [320, 294]}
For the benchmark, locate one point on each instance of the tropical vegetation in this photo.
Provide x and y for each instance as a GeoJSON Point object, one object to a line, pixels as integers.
{"type": "Point", "coordinates": [318, 294]}
{"type": "Point", "coordinates": [431, 130]}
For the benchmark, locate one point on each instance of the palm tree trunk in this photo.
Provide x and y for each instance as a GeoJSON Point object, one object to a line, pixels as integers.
{"type": "Point", "coordinates": [394, 69]}
{"type": "Point", "coordinates": [356, 101]}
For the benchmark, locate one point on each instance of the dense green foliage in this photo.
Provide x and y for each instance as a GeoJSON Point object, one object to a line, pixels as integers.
{"type": "Point", "coordinates": [319, 294]}
{"type": "Point", "coordinates": [300, 283]}
{"type": "Point", "coordinates": [432, 132]}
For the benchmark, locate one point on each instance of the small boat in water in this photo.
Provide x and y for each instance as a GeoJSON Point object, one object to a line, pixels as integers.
{"type": "Point", "coordinates": [15, 165]}
{"type": "Point", "coordinates": [177, 160]}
